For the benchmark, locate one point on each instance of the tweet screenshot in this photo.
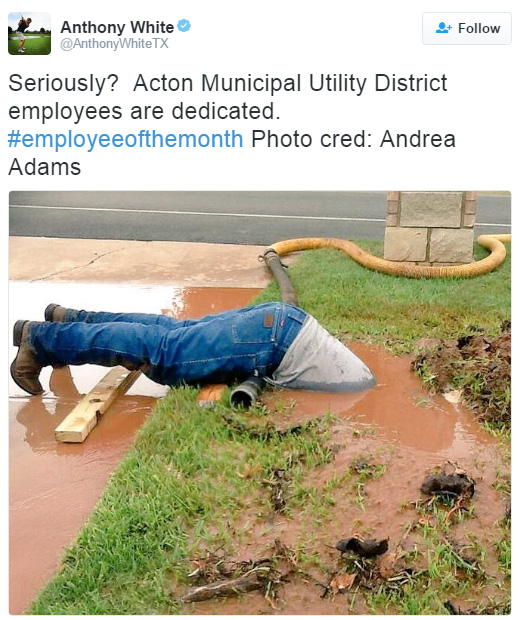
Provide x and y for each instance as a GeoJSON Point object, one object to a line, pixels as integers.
{"type": "Point", "coordinates": [259, 307]}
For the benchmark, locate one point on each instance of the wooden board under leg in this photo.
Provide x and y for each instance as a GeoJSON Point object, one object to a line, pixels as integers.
{"type": "Point", "coordinates": [82, 419]}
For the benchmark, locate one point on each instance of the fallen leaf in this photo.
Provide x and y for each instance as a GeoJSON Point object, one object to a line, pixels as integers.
{"type": "Point", "coordinates": [340, 583]}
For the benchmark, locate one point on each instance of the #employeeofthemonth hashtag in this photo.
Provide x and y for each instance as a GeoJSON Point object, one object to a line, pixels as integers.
{"type": "Point", "coordinates": [144, 139]}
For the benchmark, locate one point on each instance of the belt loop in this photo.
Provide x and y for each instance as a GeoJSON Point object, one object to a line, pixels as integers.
{"type": "Point", "coordinates": [297, 314]}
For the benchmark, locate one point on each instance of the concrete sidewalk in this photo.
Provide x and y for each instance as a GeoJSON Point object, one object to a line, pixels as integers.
{"type": "Point", "coordinates": [136, 262]}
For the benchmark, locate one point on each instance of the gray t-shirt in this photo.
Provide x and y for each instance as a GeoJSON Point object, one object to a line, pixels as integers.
{"type": "Point", "coordinates": [318, 361]}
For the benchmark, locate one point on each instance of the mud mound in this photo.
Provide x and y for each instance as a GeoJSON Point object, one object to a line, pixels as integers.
{"type": "Point", "coordinates": [477, 366]}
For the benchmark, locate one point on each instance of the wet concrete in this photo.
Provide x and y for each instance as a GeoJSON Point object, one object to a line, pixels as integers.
{"type": "Point", "coordinates": [54, 487]}
{"type": "Point", "coordinates": [149, 263]}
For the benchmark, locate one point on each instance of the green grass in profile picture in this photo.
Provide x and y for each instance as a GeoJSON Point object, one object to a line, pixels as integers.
{"type": "Point", "coordinates": [33, 29]}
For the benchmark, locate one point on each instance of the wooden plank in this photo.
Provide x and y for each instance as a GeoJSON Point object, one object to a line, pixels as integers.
{"type": "Point", "coordinates": [210, 394]}
{"type": "Point", "coordinates": [82, 419]}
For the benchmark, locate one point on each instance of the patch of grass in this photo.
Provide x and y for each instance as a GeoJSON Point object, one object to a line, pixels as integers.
{"type": "Point", "coordinates": [34, 45]}
{"type": "Point", "coordinates": [409, 599]}
{"type": "Point", "coordinates": [395, 312]}
{"type": "Point", "coordinates": [478, 367]}
{"type": "Point", "coordinates": [503, 548]}
{"type": "Point", "coordinates": [502, 483]}
{"type": "Point", "coordinates": [454, 571]}
{"type": "Point", "coordinates": [178, 488]}
{"type": "Point", "coordinates": [364, 469]}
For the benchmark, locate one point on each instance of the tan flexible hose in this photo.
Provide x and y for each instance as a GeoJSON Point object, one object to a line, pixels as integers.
{"type": "Point", "coordinates": [493, 243]}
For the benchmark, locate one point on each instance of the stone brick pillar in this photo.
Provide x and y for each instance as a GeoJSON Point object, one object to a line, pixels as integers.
{"type": "Point", "coordinates": [430, 227]}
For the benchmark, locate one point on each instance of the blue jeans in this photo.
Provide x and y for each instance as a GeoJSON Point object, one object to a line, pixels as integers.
{"type": "Point", "coordinates": [219, 348]}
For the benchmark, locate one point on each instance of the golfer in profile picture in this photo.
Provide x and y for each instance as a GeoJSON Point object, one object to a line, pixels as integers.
{"type": "Point", "coordinates": [23, 24]}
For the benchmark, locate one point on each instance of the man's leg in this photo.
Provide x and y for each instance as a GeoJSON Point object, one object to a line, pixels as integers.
{"type": "Point", "coordinates": [221, 349]}
{"type": "Point", "coordinates": [133, 346]}
{"type": "Point", "coordinates": [20, 47]}
{"type": "Point", "coordinates": [60, 314]}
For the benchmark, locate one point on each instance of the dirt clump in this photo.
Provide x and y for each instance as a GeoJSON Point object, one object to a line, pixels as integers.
{"type": "Point", "coordinates": [364, 548]}
{"type": "Point", "coordinates": [367, 565]}
{"type": "Point", "coordinates": [499, 609]}
{"type": "Point", "coordinates": [477, 365]}
{"type": "Point", "coordinates": [449, 481]}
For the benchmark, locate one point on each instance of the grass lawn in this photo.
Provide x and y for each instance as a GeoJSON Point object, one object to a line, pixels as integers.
{"type": "Point", "coordinates": [34, 45]}
{"type": "Point", "coordinates": [176, 492]}
{"type": "Point", "coordinates": [396, 312]}
{"type": "Point", "coordinates": [193, 478]}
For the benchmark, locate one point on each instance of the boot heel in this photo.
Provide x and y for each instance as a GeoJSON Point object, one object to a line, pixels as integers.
{"type": "Point", "coordinates": [17, 332]}
{"type": "Point", "coordinates": [49, 312]}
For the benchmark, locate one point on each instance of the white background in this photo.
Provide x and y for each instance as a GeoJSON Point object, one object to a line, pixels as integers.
{"type": "Point", "coordinates": [282, 39]}
{"type": "Point", "coordinates": [237, 38]}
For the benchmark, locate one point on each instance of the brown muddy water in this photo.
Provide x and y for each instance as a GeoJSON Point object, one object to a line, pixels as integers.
{"type": "Point", "coordinates": [54, 487]}
{"type": "Point", "coordinates": [399, 407]}
{"type": "Point", "coordinates": [397, 424]}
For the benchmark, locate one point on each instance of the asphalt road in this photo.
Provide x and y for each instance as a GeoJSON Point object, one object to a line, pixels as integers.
{"type": "Point", "coordinates": [217, 217]}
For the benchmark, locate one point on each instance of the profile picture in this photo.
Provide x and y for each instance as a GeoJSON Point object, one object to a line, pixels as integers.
{"type": "Point", "coordinates": [29, 34]}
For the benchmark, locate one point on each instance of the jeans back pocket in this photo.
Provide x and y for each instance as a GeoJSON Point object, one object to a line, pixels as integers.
{"type": "Point", "coordinates": [257, 326]}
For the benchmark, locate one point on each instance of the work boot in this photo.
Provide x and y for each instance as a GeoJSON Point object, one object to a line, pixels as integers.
{"type": "Point", "coordinates": [55, 313]}
{"type": "Point", "coordinates": [25, 369]}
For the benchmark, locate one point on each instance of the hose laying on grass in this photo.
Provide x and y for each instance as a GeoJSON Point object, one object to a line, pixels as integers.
{"type": "Point", "coordinates": [493, 243]}
{"type": "Point", "coordinates": [271, 256]}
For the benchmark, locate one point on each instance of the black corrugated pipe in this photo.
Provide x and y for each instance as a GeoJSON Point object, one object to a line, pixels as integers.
{"type": "Point", "coordinates": [248, 392]}
{"type": "Point", "coordinates": [273, 262]}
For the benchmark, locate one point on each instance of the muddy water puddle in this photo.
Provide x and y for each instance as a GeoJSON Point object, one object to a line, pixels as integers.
{"type": "Point", "coordinates": [398, 427]}
{"type": "Point", "coordinates": [54, 487]}
{"type": "Point", "coordinates": [398, 407]}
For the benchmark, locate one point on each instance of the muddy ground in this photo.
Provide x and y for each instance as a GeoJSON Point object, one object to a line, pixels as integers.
{"type": "Point", "coordinates": [475, 365]}
{"type": "Point", "coordinates": [383, 444]}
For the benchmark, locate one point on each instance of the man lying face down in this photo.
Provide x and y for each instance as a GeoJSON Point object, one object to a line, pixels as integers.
{"type": "Point", "coordinates": [278, 342]}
